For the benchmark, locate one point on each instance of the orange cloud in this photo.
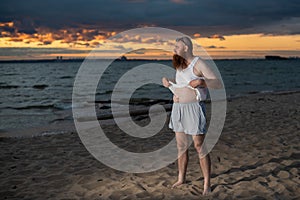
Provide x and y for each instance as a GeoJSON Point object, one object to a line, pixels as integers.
{"type": "Point", "coordinates": [5, 34]}
{"type": "Point", "coordinates": [45, 36]}
{"type": "Point", "coordinates": [7, 24]}
{"type": "Point", "coordinates": [197, 35]}
{"type": "Point", "coordinates": [15, 39]}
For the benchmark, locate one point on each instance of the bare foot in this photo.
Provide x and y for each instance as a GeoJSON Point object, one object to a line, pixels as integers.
{"type": "Point", "coordinates": [206, 191]}
{"type": "Point", "coordinates": [178, 183]}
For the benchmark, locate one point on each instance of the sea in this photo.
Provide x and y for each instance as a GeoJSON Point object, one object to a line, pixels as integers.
{"type": "Point", "coordinates": [36, 97]}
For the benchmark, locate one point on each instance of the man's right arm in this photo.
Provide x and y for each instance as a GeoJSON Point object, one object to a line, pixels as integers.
{"type": "Point", "coordinates": [166, 83]}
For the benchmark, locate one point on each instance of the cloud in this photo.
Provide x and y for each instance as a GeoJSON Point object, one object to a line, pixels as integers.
{"type": "Point", "coordinates": [144, 51]}
{"type": "Point", "coordinates": [121, 47]}
{"type": "Point", "coordinates": [125, 38]}
{"type": "Point", "coordinates": [215, 47]}
{"type": "Point", "coordinates": [46, 36]}
{"type": "Point", "coordinates": [197, 35]}
{"type": "Point", "coordinates": [180, 1]}
{"type": "Point", "coordinates": [216, 36]}
{"type": "Point", "coordinates": [120, 38]}
{"type": "Point", "coordinates": [74, 20]}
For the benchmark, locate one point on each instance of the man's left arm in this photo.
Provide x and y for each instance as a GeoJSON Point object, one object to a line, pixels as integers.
{"type": "Point", "coordinates": [211, 80]}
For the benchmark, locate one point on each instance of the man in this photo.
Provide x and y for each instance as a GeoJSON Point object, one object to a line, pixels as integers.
{"type": "Point", "coordinates": [184, 49]}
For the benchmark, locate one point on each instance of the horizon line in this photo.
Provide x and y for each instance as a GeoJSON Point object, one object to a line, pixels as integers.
{"type": "Point", "coordinates": [266, 57]}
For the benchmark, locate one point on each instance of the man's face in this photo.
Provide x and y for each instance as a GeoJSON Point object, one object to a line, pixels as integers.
{"type": "Point", "coordinates": [179, 48]}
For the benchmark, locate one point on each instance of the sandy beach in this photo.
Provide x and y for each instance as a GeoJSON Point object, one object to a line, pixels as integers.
{"type": "Point", "coordinates": [256, 157]}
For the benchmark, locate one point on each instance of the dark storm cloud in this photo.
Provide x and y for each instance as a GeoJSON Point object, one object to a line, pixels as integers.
{"type": "Point", "coordinates": [207, 17]}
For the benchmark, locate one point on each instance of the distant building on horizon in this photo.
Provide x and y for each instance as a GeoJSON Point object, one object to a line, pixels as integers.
{"type": "Point", "coordinates": [59, 57]}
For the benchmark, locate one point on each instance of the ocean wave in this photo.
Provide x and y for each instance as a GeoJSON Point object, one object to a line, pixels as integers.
{"type": "Point", "coordinates": [52, 133]}
{"type": "Point", "coordinates": [41, 86]}
{"type": "Point", "coordinates": [62, 106]}
{"type": "Point", "coordinates": [257, 92]}
{"type": "Point", "coordinates": [58, 106]}
{"type": "Point", "coordinates": [31, 107]}
{"type": "Point", "coordinates": [8, 86]}
{"type": "Point", "coordinates": [65, 77]}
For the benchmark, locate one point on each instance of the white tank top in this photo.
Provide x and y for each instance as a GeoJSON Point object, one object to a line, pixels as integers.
{"type": "Point", "coordinates": [186, 75]}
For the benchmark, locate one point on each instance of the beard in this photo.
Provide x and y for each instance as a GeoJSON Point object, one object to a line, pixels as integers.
{"type": "Point", "coordinates": [179, 62]}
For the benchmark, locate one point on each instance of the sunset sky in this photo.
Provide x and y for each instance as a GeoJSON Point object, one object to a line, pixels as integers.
{"type": "Point", "coordinates": [35, 29]}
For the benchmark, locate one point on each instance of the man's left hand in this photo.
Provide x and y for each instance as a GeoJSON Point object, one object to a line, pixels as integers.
{"type": "Point", "coordinates": [196, 83]}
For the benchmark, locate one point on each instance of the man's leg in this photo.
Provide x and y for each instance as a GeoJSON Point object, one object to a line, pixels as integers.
{"type": "Point", "coordinates": [205, 162]}
{"type": "Point", "coordinates": [182, 147]}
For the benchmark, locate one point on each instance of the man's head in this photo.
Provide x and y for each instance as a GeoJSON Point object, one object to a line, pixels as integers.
{"type": "Point", "coordinates": [183, 46]}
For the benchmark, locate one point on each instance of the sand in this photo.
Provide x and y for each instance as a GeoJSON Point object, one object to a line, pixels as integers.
{"type": "Point", "coordinates": [257, 157]}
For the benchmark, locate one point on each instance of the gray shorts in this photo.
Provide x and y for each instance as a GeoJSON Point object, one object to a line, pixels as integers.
{"type": "Point", "coordinates": [189, 118]}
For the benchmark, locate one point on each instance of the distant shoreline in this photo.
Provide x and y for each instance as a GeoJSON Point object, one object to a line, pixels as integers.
{"type": "Point", "coordinates": [72, 60]}
{"type": "Point", "coordinates": [81, 60]}
{"type": "Point", "coordinates": [267, 57]}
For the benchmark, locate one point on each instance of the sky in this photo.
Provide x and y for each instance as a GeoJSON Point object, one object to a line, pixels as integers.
{"type": "Point", "coordinates": [35, 29]}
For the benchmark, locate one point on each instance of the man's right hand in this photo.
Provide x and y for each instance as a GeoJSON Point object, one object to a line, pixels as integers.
{"type": "Point", "coordinates": [165, 82]}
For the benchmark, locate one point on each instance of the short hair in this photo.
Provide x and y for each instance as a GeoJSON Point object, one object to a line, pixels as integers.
{"type": "Point", "coordinates": [187, 41]}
